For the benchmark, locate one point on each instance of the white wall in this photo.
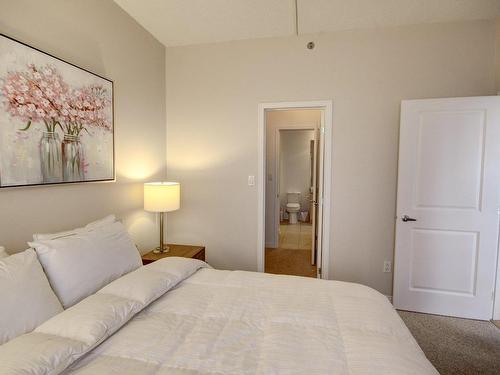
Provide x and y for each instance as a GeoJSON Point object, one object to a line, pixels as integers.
{"type": "Point", "coordinates": [99, 36]}
{"type": "Point", "coordinates": [275, 120]}
{"type": "Point", "coordinates": [295, 165]}
{"type": "Point", "coordinates": [213, 93]}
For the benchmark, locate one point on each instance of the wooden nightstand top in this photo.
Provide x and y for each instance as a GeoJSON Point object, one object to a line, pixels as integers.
{"type": "Point", "coordinates": [185, 251]}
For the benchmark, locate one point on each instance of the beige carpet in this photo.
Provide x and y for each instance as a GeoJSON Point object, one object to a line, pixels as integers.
{"type": "Point", "coordinates": [456, 346]}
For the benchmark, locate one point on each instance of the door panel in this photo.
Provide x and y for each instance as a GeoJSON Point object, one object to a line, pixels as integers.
{"type": "Point", "coordinates": [450, 159]}
{"type": "Point", "coordinates": [448, 181]}
{"type": "Point", "coordinates": [435, 250]}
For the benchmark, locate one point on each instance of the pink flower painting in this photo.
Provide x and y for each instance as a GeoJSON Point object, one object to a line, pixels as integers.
{"type": "Point", "coordinates": [35, 94]}
{"type": "Point", "coordinates": [66, 113]}
{"type": "Point", "coordinates": [86, 108]}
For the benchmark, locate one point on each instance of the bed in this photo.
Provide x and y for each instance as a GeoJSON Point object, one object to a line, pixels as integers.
{"type": "Point", "coordinates": [179, 316]}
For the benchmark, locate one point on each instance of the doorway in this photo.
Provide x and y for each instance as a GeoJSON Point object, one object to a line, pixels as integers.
{"type": "Point", "coordinates": [294, 188]}
{"type": "Point", "coordinates": [291, 192]}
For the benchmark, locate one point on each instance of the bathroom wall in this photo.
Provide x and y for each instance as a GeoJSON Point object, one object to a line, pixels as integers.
{"type": "Point", "coordinates": [281, 119]}
{"type": "Point", "coordinates": [295, 165]}
{"type": "Point", "coordinates": [99, 36]}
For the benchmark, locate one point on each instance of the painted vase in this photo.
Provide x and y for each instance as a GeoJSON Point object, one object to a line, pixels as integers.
{"type": "Point", "coordinates": [50, 158]}
{"type": "Point", "coordinates": [72, 156]}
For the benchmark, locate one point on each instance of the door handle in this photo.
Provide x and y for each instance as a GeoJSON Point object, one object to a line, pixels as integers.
{"type": "Point", "coordinates": [406, 218]}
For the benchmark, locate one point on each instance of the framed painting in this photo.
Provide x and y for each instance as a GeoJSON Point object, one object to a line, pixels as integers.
{"type": "Point", "coordinates": [56, 120]}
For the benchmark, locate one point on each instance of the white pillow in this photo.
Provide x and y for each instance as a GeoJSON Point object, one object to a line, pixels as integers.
{"type": "Point", "coordinates": [53, 236]}
{"type": "Point", "coordinates": [81, 264]}
{"type": "Point", "coordinates": [95, 224]}
{"type": "Point", "coordinates": [3, 253]}
{"type": "Point", "coordinates": [26, 298]}
{"type": "Point", "coordinates": [110, 219]}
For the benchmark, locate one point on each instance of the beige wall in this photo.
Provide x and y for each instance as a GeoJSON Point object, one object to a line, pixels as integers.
{"type": "Point", "coordinates": [297, 118]}
{"type": "Point", "coordinates": [212, 96]}
{"type": "Point", "coordinates": [497, 54]}
{"type": "Point", "coordinates": [99, 36]}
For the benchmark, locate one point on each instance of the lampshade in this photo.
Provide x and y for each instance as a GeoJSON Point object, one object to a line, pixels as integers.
{"type": "Point", "coordinates": [162, 196]}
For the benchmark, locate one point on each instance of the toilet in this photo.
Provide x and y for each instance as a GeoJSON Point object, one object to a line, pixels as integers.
{"type": "Point", "coordinates": [293, 207]}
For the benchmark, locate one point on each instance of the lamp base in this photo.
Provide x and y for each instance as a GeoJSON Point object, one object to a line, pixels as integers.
{"type": "Point", "coordinates": [163, 250]}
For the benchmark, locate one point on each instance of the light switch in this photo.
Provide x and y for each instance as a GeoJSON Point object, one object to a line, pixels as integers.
{"type": "Point", "coordinates": [251, 180]}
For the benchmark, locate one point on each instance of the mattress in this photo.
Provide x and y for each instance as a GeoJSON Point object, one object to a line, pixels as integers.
{"type": "Point", "coordinates": [179, 316]}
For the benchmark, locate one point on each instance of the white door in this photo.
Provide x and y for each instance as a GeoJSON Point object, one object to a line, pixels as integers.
{"type": "Point", "coordinates": [314, 194]}
{"type": "Point", "coordinates": [449, 176]}
{"type": "Point", "coordinates": [319, 198]}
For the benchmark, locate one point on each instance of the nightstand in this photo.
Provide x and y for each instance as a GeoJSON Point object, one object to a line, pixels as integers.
{"type": "Point", "coordinates": [184, 251]}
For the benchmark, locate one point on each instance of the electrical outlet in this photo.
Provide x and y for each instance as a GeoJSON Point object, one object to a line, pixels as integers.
{"type": "Point", "coordinates": [387, 266]}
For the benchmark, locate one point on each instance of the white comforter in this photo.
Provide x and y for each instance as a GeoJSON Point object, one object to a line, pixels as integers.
{"type": "Point", "coordinates": [176, 316]}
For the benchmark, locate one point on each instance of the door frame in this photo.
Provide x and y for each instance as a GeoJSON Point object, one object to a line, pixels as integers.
{"type": "Point", "coordinates": [325, 190]}
{"type": "Point", "coordinates": [276, 200]}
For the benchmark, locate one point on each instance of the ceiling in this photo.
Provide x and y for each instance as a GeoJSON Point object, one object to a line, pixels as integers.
{"type": "Point", "coordinates": [184, 22]}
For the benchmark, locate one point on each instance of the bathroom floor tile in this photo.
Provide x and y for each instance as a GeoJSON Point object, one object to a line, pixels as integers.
{"type": "Point", "coordinates": [305, 228]}
{"type": "Point", "coordinates": [293, 228]}
{"type": "Point", "coordinates": [295, 236]}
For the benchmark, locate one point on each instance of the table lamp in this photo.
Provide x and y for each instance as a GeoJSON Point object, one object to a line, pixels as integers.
{"type": "Point", "coordinates": [161, 197]}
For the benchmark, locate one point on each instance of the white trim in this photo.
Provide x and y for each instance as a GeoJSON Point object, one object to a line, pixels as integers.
{"type": "Point", "coordinates": [327, 106]}
{"type": "Point", "coordinates": [261, 184]}
{"type": "Point", "coordinates": [496, 288]}
{"type": "Point", "coordinates": [277, 187]}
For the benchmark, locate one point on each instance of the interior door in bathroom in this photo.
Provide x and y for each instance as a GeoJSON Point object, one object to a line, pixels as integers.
{"type": "Point", "coordinates": [314, 194]}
